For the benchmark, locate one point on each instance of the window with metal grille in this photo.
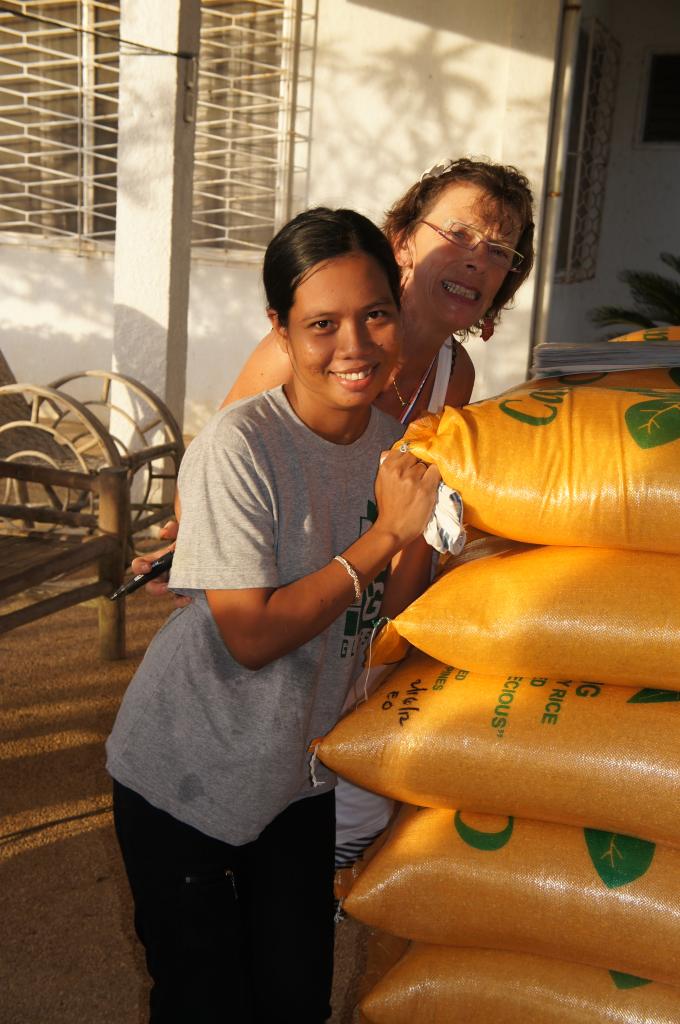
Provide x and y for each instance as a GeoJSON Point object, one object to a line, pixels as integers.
{"type": "Point", "coordinates": [592, 110]}
{"type": "Point", "coordinates": [59, 116]}
{"type": "Point", "coordinates": [662, 112]}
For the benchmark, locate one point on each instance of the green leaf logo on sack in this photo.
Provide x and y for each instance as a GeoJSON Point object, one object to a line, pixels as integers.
{"type": "Point", "coordinates": [654, 422]}
{"type": "Point", "coordinates": [482, 840]}
{"type": "Point", "coordinates": [628, 980]}
{"type": "Point", "coordinates": [618, 859]}
{"type": "Point", "coordinates": [649, 696]}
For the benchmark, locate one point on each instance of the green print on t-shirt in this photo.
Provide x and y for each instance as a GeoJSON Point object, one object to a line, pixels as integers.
{"type": "Point", "coordinates": [361, 617]}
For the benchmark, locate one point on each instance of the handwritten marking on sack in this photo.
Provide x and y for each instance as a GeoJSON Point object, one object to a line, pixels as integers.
{"type": "Point", "coordinates": [408, 703]}
{"type": "Point", "coordinates": [618, 859]}
{"type": "Point", "coordinates": [649, 696]}
{"type": "Point", "coordinates": [487, 841]}
{"type": "Point", "coordinates": [500, 719]}
{"type": "Point", "coordinates": [404, 705]}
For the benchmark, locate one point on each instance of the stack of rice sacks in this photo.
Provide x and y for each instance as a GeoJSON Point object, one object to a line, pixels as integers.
{"type": "Point", "coordinates": [534, 725]}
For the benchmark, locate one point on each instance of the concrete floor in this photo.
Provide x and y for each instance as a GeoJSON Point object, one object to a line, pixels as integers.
{"type": "Point", "coordinates": [68, 949]}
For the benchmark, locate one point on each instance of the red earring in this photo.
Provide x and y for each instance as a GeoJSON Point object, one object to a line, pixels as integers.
{"type": "Point", "coordinates": [487, 326]}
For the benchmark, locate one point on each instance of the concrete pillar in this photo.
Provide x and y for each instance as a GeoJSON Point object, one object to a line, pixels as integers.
{"type": "Point", "coordinates": [153, 218]}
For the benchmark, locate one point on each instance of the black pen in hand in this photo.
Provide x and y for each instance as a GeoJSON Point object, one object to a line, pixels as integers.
{"type": "Point", "coordinates": [158, 566]}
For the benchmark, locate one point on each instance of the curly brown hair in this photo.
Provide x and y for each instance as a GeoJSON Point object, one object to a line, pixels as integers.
{"type": "Point", "coordinates": [503, 184]}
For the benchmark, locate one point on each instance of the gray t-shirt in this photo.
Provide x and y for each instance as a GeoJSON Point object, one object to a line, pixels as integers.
{"type": "Point", "coordinates": [265, 501]}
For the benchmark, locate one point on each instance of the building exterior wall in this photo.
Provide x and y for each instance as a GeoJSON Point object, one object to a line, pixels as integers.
{"type": "Point", "coordinates": [395, 89]}
{"type": "Point", "coordinates": [641, 215]}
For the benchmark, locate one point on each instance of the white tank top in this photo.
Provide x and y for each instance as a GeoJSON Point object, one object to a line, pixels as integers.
{"type": "Point", "coordinates": [442, 376]}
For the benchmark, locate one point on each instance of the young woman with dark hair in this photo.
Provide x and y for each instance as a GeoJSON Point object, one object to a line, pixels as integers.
{"type": "Point", "coordinates": [226, 828]}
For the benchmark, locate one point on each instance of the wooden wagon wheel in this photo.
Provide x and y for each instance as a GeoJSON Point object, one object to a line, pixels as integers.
{"type": "Point", "coordinates": [41, 426]}
{"type": "Point", "coordinates": [145, 432]}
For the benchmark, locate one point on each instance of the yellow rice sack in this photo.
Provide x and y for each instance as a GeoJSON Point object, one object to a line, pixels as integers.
{"type": "Point", "coordinates": [564, 465]}
{"type": "Point", "coordinates": [574, 613]}
{"type": "Point", "coordinates": [641, 381]}
{"type": "Point", "coordinates": [656, 333]}
{"type": "Point", "coordinates": [378, 952]}
{"type": "Point", "coordinates": [556, 750]}
{"type": "Point", "coordinates": [442, 985]}
{"type": "Point", "coordinates": [463, 879]}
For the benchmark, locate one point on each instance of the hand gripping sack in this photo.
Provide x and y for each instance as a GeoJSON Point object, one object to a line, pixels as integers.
{"type": "Point", "coordinates": [443, 985]}
{"type": "Point", "coordinates": [581, 895]}
{"type": "Point", "coordinates": [558, 750]}
{"type": "Point", "coordinates": [572, 613]}
{"type": "Point", "coordinates": [598, 467]}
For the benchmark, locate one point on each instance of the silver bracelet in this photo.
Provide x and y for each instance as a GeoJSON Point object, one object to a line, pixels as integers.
{"type": "Point", "coordinates": [352, 573]}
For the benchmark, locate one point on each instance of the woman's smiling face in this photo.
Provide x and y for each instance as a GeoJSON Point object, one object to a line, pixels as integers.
{"type": "Point", "coordinates": [453, 286]}
{"type": "Point", "coordinates": [343, 339]}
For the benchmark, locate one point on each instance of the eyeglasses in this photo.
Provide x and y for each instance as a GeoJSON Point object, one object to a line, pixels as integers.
{"type": "Point", "coordinates": [469, 238]}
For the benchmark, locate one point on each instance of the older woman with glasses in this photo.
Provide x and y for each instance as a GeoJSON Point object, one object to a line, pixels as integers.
{"type": "Point", "coordinates": [463, 238]}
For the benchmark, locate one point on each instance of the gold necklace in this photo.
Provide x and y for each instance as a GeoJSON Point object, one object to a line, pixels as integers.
{"type": "Point", "coordinates": [416, 394]}
{"type": "Point", "coordinates": [399, 396]}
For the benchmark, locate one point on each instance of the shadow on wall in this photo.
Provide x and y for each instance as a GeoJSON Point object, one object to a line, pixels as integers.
{"type": "Point", "coordinates": [464, 19]}
{"type": "Point", "coordinates": [141, 335]}
{"type": "Point", "coordinates": [35, 277]}
{"type": "Point", "coordinates": [390, 83]}
{"type": "Point", "coordinates": [140, 118]}
{"type": "Point", "coordinates": [448, 114]}
{"type": "Point", "coordinates": [56, 312]}
{"type": "Point", "coordinates": [226, 320]}
{"type": "Point", "coordinates": [40, 355]}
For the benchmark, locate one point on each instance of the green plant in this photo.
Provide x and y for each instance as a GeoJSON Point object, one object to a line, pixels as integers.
{"type": "Point", "coordinates": [656, 299]}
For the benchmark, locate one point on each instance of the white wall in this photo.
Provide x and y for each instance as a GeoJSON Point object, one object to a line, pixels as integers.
{"type": "Point", "coordinates": [641, 215]}
{"type": "Point", "coordinates": [400, 85]}
{"type": "Point", "coordinates": [395, 89]}
{"type": "Point", "coordinates": [56, 317]}
{"type": "Point", "coordinates": [56, 312]}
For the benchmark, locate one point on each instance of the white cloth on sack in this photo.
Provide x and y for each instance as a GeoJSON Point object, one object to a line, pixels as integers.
{"type": "Point", "coordinates": [445, 530]}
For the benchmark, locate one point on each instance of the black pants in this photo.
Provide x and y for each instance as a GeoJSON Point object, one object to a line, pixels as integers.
{"type": "Point", "coordinates": [233, 934]}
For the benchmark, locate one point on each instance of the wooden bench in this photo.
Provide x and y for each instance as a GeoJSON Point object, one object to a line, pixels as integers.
{"type": "Point", "coordinates": [45, 534]}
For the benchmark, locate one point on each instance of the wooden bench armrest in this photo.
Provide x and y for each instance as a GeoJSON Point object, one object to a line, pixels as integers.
{"type": "Point", "coordinates": [47, 475]}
